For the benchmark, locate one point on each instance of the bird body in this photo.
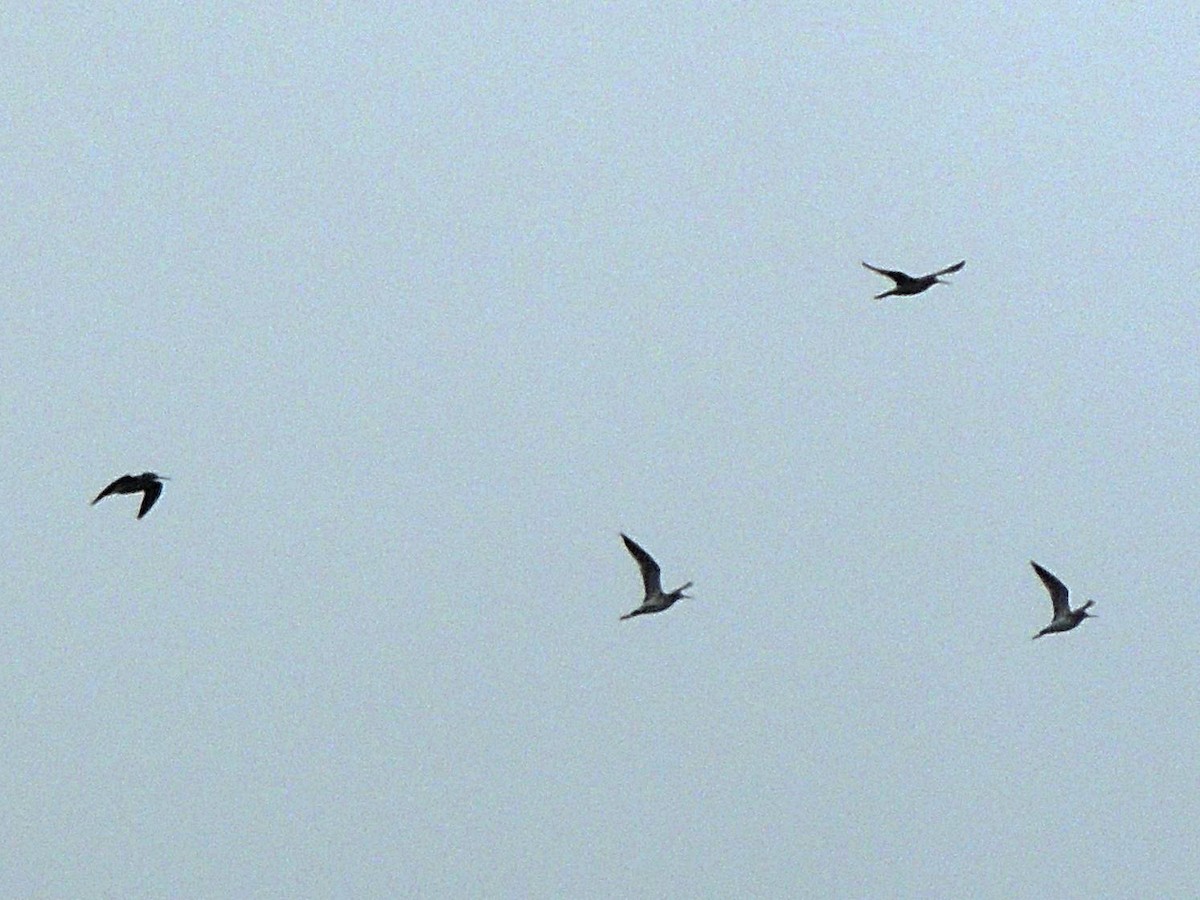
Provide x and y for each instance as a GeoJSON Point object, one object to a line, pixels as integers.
{"type": "Point", "coordinates": [148, 484]}
{"type": "Point", "coordinates": [1065, 618]}
{"type": "Point", "coordinates": [655, 600]}
{"type": "Point", "coordinates": [907, 285]}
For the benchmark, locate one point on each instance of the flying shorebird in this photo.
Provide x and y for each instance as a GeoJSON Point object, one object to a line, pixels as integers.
{"type": "Point", "coordinates": [148, 484]}
{"type": "Point", "coordinates": [906, 284]}
{"type": "Point", "coordinates": [1065, 618]}
{"type": "Point", "coordinates": [656, 600]}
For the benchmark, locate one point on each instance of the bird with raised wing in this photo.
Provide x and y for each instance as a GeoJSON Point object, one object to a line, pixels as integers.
{"type": "Point", "coordinates": [148, 484]}
{"type": "Point", "coordinates": [655, 600]}
{"type": "Point", "coordinates": [907, 285]}
{"type": "Point", "coordinates": [1065, 618]}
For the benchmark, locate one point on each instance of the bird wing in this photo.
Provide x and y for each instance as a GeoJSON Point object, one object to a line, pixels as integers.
{"type": "Point", "coordinates": [898, 277]}
{"type": "Point", "coordinates": [950, 270]}
{"type": "Point", "coordinates": [113, 488]}
{"type": "Point", "coordinates": [651, 573]}
{"type": "Point", "coordinates": [149, 495]}
{"type": "Point", "coordinates": [1058, 590]}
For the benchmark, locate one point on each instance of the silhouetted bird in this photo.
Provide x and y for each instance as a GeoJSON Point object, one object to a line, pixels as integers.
{"type": "Point", "coordinates": [906, 284]}
{"type": "Point", "coordinates": [148, 484]}
{"type": "Point", "coordinates": [1065, 618]}
{"type": "Point", "coordinates": [656, 600]}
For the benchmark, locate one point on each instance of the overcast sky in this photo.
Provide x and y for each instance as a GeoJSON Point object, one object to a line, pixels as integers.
{"type": "Point", "coordinates": [419, 309]}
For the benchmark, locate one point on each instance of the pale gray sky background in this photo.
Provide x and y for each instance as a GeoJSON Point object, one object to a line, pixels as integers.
{"type": "Point", "coordinates": [420, 307]}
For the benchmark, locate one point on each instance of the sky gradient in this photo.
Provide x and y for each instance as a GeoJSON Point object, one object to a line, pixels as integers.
{"type": "Point", "coordinates": [419, 309]}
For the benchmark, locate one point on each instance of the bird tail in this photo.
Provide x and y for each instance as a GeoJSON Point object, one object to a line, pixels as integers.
{"type": "Point", "coordinates": [678, 592]}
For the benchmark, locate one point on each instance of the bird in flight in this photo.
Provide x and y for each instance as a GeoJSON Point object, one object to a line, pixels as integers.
{"type": "Point", "coordinates": [1065, 618]}
{"type": "Point", "coordinates": [656, 600]}
{"type": "Point", "coordinates": [148, 484]}
{"type": "Point", "coordinates": [907, 284]}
